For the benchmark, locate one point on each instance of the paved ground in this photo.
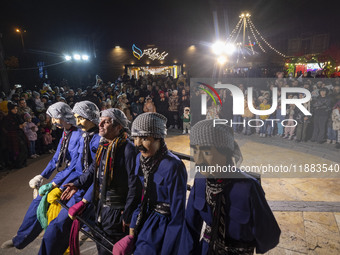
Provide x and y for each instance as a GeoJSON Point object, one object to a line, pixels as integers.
{"type": "Point", "coordinates": [307, 209]}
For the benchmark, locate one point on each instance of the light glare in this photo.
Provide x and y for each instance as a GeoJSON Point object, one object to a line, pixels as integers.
{"type": "Point", "coordinates": [217, 47]}
{"type": "Point", "coordinates": [229, 48]}
{"type": "Point", "coordinates": [85, 57]}
{"type": "Point", "coordinates": [76, 57]}
{"type": "Point", "coordinates": [221, 60]}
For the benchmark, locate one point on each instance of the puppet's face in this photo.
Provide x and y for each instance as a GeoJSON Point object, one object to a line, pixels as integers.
{"type": "Point", "coordinates": [60, 123]}
{"type": "Point", "coordinates": [208, 156]}
{"type": "Point", "coordinates": [83, 123]}
{"type": "Point", "coordinates": [147, 145]}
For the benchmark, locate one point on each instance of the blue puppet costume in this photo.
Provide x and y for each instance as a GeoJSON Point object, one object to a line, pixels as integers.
{"type": "Point", "coordinates": [233, 205]}
{"type": "Point", "coordinates": [67, 153]}
{"type": "Point", "coordinates": [115, 188]}
{"type": "Point", "coordinates": [156, 224]}
{"type": "Point", "coordinates": [56, 237]}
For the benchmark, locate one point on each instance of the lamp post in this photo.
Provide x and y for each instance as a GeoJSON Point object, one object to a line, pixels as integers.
{"type": "Point", "coordinates": [21, 36]}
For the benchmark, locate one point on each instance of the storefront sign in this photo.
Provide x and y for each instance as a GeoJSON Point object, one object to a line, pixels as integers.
{"type": "Point", "coordinates": [151, 53]}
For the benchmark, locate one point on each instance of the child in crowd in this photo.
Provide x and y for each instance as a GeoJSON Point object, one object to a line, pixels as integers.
{"type": "Point", "coordinates": [149, 106]}
{"type": "Point", "coordinates": [39, 105]}
{"type": "Point", "coordinates": [290, 128]}
{"type": "Point", "coordinates": [30, 130]}
{"type": "Point", "coordinates": [46, 132]}
{"type": "Point", "coordinates": [280, 117]}
{"type": "Point", "coordinates": [186, 118]}
{"type": "Point", "coordinates": [213, 111]}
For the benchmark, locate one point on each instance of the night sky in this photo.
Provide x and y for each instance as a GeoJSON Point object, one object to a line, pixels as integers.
{"type": "Point", "coordinates": [56, 25]}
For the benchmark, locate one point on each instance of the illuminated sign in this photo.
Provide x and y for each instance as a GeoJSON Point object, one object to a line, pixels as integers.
{"type": "Point", "coordinates": [151, 53]}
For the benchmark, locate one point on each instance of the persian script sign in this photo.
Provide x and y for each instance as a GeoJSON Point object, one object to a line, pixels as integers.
{"type": "Point", "coordinates": [151, 53]}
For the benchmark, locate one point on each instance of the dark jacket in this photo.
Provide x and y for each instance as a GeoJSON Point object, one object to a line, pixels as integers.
{"type": "Point", "coordinates": [249, 218]}
{"type": "Point", "coordinates": [124, 183]}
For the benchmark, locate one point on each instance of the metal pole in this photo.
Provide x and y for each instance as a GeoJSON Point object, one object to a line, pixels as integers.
{"type": "Point", "coordinates": [92, 228]}
{"type": "Point", "coordinates": [22, 41]}
{"type": "Point", "coordinates": [244, 31]}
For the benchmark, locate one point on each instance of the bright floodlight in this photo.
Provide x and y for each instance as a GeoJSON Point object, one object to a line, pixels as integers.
{"type": "Point", "coordinates": [229, 48]}
{"type": "Point", "coordinates": [85, 57]}
{"type": "Point", "coordinates": [76, 56]}
{"type": "Point", "coordinates": [221, 60]}
{"type": "Point", "coordinates": [68, 57]}
{"type": "Point", "coordinates": [218, 47]}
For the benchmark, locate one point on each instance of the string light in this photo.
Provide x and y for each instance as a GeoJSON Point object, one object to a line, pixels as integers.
{"type": "Point", "coordinates": [268, 44]}
{"type": "Point", "coordinates": [251, 45]}
{"type": "Point", "coordinates": [238, 33]}
{"type": "Point", "coordinates": [234, 30]}
{"type": "Point", "coordinates": [257, 41]}
{"type": "Point", "coordinates": [246, 24]}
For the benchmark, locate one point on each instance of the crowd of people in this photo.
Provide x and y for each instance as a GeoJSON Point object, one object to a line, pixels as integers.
{"type": "Point", "coordinates": [24, 122]}
{"type": "Point", "coordinates": [23, 119]}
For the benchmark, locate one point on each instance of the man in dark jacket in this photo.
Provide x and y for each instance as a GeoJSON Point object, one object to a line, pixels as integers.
{"type": "Point", "coordinates": [321, 107]}
{"type": "Point", "coordinates": [116, 192]}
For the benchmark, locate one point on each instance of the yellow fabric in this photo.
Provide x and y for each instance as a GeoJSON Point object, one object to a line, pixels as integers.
{"type": "Point", "coordinates": [67, 251]}
{"type": "Point", "coordinates": [264, 107]}
{"type": "Point", "coordinates": [3, 107]}
{"type": "Point", "coordinates": [55, 207]}
{"type": "Point", "coordinates": [109, 164]}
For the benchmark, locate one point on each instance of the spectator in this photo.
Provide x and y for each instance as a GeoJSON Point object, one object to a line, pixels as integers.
{"type": "Point", "coordinates": [173, 110]}
{"type": "Point", "coordinates": [30, 130]}
{"type": "Point", "coordinates": [162, 104]}
{"type": "Point", "coordinates": [186, 118]}
{"type": "Point", "coordinates": [137, 107]}
{"type": "Point", "coordinates": [3, 103]}
{"type": "Point", "coordinates": [17, 142]}
{"type": "Point", "coordinates": [303, 122]}
{"type": "Point", "coordinates": [321, 107]}
{"type": "Point", "coordinates": [246, 117]}
{"type": "Point", "coordinates": [149, 106]}
{"type": "Point", "coordinates": [336, 122]}
{"type": "Point", "coordinates": [23, 108]}
{"type": "Point", "coordinates": [39, 105]}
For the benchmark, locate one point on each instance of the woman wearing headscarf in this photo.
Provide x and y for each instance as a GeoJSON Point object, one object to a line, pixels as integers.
{"type": "Point", "coordinates": [17, 143]}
